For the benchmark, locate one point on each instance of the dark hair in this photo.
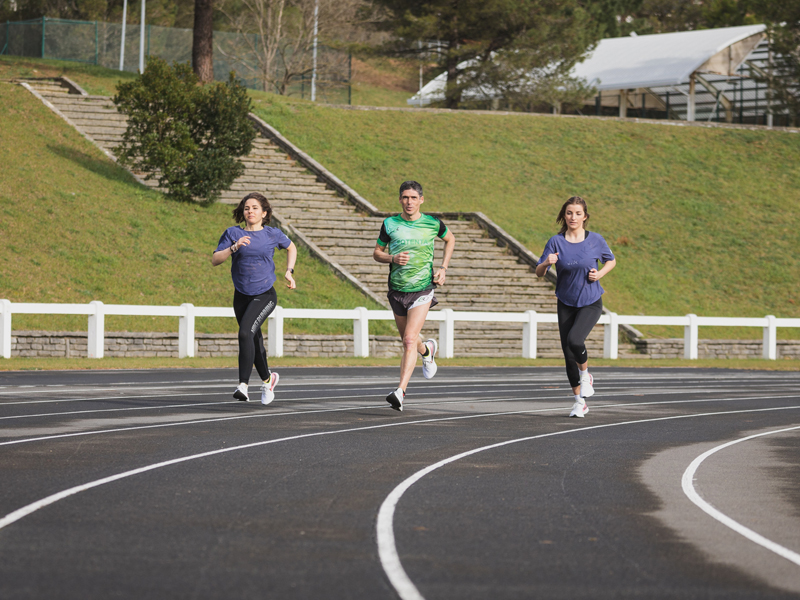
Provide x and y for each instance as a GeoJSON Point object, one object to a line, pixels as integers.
{"type": "Point", "coordinates": [238, 212]}
{"type": "Point", "coordinates": [410, 185]}
{"type": "Point", "coordinates": [562, 214]}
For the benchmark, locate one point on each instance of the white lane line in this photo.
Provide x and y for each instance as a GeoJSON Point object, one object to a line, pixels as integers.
{"type": "Point", "coordinates": [387, 548]}
{"type": "Point", "coordinates": [39, 504]}
{"type": "Point", "coordinates": [687, 483]}
{"type": "Point", "coordinates": [383, 406]}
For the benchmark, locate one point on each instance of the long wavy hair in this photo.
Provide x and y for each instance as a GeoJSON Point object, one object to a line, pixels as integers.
{"type": "Point", "coordinates": [238, 212]}
{"type": "Point", "coordinates": [562, 214]}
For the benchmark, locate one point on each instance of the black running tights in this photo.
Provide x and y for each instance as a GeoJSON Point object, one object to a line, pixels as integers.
{"type": "Point", "coordinates": [251, 312]}
{"type": "Point", "coordinates": [574, 325]}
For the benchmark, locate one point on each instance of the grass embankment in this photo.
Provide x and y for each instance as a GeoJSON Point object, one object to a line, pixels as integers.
{"type": "Point", "coordinates": [75, 227]}
{"type": "Point", "coordinates": [702, 220]}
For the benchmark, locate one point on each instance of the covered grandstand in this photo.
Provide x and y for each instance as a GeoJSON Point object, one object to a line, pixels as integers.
{"type": "Point", "coordinates": [717, 75]}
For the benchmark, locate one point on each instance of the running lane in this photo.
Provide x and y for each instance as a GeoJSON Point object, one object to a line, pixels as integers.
{"type": "Point", "coordinates": [158, 484]}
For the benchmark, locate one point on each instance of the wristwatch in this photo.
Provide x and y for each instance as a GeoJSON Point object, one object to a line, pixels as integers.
{"type": "Point", "coordinates": [291, 271]}
{"type": "Point", "coordinates": [233, 247]}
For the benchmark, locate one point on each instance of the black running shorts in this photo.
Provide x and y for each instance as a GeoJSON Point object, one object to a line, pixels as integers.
{"type": "Point", "coordinates": [402, 302]}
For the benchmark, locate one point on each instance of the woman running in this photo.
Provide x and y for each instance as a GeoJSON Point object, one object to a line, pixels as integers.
{"type": "Point", "coordinates": [253, 274]}
{"type": "Point", "coordinates": [576, 253]}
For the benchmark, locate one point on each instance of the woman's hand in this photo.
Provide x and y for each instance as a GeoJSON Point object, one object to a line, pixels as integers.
{"type": "Point", "coordinates": [551, 259]}
{"type": "Point", "coordinates": [288, 276]}
{"type": "Point", "coordinates": [594, 275]}
{"type": "Point", "coordinates": [242, 241]}
{"type": "Point", "coordinates": [440, 276]}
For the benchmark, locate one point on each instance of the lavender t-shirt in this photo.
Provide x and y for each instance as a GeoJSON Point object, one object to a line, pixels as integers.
{"type": "Point", "coordinates": [253, 270]}
{"type": "Point", "coordinates": [573, 287]}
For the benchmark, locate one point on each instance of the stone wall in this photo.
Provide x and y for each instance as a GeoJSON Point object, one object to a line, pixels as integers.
{"type": "Point", "coordinates": [73, 344]}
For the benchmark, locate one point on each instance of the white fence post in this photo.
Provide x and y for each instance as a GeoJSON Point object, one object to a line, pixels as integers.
{"type": "Point", "coordinates": [611, 337]}
{"type": "Point", "coordinates": [275, 332]}
{"type": "Point", "coordinates": [361, 333]}
{"type": "Point", "coordinates": [529, 331]}
{"type": "Point", "coordinates": [690, 338]}
{"type": "Point", "coordinates": [97, 330]}
{"type": "Point", "coordinates": [771, 339]}
{"type": "Point", "coordinates": [186, 332]}
{"type": "Point", "coordinates": [5, 328]}
{"type": "Point", "coordinates": [447, 331]}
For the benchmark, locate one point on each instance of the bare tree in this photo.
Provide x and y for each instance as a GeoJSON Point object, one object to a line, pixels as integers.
{"type": "Point", "coordinates": [203, 40]}
{"type": "Point", "coordinates": [285, 33]}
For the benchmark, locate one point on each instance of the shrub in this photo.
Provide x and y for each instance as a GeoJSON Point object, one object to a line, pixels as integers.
{"type": "Point", "coordinates": [186, 135]}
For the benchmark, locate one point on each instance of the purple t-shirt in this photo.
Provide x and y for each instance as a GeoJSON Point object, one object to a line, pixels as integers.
{"type": "Point", "coordinates": [253, 270]}
{"type": "Point", "coordinates": [573, 287]}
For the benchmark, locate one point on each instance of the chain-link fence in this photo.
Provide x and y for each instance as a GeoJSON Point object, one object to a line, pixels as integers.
{"type": "Point", "coordinates": [98, 43]}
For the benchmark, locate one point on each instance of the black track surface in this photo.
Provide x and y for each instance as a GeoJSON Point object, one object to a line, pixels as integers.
{"type": "Point", "coordinates": [285, 505]}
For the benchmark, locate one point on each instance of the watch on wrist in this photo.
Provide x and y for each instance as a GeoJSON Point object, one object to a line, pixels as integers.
{"type": "Point", "coordinates": [233, 247]}
{"type": "Point", "coordinates": [291, 271]}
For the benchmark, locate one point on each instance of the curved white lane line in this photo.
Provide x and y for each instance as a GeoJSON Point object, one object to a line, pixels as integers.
{"type": "Point", "coordinates": [687, 482]}
{"type": "Point", "coordinates": [387, 549]}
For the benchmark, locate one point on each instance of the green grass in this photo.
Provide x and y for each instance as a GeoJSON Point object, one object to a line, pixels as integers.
{"type": "Point", "coordinates": [54, 364]}
{"type": "Point", "coordinates": [701, 220]}
{"type": "Point", "coordinates": [75, 227]}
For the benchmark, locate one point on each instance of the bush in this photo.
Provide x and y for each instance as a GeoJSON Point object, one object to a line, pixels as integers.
{"type": "Point", "coordinates": [186, 135]}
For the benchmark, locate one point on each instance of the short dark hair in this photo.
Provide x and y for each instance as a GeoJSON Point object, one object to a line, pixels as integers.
{"type": "Point", "coordinates": [562, 214]}
{"type": "Point", "coordinates": [410, 185]}
{"type": "Point", "coordinates": [238, 212]}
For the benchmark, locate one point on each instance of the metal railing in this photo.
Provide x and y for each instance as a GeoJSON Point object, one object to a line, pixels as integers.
{"type": "Point", "coordinates": [187, 313]}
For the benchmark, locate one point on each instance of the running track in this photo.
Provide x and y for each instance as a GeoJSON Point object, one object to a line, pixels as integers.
{"type": "Point", "coordinates": [157, 484]}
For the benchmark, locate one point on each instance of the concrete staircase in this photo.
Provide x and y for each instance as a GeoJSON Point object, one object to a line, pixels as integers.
{"type": "Point", "coordinates": [484, 275]}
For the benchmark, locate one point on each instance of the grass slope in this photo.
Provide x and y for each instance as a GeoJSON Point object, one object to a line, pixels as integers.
{"type": "Point", "coordinates": [75, 227]}
{"type": "Point", "coordinates": [702, 220]}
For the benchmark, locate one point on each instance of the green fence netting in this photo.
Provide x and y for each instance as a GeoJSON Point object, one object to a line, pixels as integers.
{"type": "Point", "coordinates": [98, 43]}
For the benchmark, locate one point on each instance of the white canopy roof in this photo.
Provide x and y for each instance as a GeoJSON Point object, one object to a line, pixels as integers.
{"type": "Point", "coordinates": [649, 60]}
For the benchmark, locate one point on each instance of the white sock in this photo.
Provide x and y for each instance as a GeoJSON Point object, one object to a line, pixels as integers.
{"type": "Point", "coordinates": [243, 387]}
{"type": "Point", "coordinates": [586, 371]}
{"type": "Point", "coordinates": [579, 399]}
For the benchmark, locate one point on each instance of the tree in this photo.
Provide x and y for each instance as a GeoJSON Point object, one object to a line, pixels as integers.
{"type": "Point", "coordinates": [185, 135]}
{"type": "Point", "coordinates": [519, 47]}
{"type": "Point", "coordinates": [203, 40]}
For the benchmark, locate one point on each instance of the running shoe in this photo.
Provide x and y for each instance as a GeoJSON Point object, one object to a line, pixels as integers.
{"type": "Point", "coordinates": [396, 399]}
{"type": "Point", "coordinates": [429, 362]}
{"type": "Point", "coordinates": [586, 385]}
{"type": "Point", "coordinates": [579, 409]}
{"type": "Point", "coordinates": [268, 388]}
{"type": "Point", "coordinates": [241, 393]}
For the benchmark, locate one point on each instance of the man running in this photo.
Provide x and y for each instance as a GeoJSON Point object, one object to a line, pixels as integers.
{"type": "Point", "coordinates": [406, 242]}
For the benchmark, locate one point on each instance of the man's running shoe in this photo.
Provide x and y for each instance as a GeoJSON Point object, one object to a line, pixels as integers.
{"type": "Point", "coordinates": [429, 362]}
{"type": "Point", "coordinates": [586, 385]}
{"type": "Point", "coordinates": [396, 399]}
{"type": "Point", "coordinates": [579, 409]}
{"type": "Point", "coordinates": [241, 393]}
{"type": "Point", "coordinates": [268, 388]}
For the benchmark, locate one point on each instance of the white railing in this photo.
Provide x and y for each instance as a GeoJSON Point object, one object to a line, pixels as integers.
{"type": "Point", "coordinates": [187, 313]}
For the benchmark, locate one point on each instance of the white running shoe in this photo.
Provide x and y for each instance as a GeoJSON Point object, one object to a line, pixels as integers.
{"type": "Point", "coordinates": [396, 399]}
{"type": "Point", "coordinates": [586, 385]}
{"type": "Point", "coordinates": [240, 393]}
{"type": "Point", "coordinates": [579, 409]}
{"type": "Point", "coordinates": [429, 362]}
{"type": "Point", "coordinates": [268, 388]}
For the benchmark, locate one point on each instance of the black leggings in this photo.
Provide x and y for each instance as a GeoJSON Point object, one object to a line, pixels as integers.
{"type": "Point", "coordinates": [251, 312]}
{"type": "Point", "coordinates": [574, 326]}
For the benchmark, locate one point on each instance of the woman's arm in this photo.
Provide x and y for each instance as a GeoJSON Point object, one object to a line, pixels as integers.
{"type": "Point", "coordinates": [221, 256]}
{"type": "Point", "coordinates": [595, 275]}
{"type": "Point", "coordinates": [541, 268]}
{"type": "Point", "coordinates": [291, 259]}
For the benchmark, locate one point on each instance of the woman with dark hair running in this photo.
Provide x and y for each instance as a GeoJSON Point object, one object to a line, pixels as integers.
{"type": "Point", "coordinates": [253, 272]}
{"type": "Point", "coordinates": [576, 253]}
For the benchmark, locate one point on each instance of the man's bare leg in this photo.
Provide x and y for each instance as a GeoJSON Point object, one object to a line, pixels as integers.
{"type": "Point", "coordinates": [410, 327]}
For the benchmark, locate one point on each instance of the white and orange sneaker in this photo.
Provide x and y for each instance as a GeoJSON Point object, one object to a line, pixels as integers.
{"type": "Point", "coordinates": [268, 388]}
{"type": "Point", "coordinates": [579, 409]}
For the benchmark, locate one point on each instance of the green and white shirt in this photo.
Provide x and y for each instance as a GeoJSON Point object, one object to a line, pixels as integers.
{"type": "Point", "coordinates": [416, 238]}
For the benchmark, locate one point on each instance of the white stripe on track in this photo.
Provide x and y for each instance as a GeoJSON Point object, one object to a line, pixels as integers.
{"type": "Point", "coordinates": [384, 406]}
{"type": "Point", "coordinates": [387, 548]}
{"type": "Point", "coordinates": [687, 483]}
{"type": "Point", "coordinates": [20, 513]}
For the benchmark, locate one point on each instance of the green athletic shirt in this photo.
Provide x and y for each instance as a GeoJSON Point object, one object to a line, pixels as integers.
{"type": "Point", "coordinates": [416, 238]}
